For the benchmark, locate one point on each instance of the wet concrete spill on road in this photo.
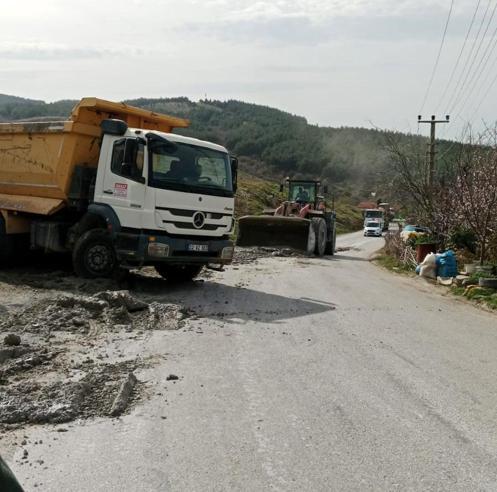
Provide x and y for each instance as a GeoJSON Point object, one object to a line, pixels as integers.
{"type": "Point", "coordinates": [62, 357]}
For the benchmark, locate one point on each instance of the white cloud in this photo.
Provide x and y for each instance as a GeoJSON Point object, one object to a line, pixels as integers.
{"type": "Point", "coordinates": [334, 61]}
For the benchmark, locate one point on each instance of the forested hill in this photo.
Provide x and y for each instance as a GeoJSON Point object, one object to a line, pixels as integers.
{"type": "Point", "coordinates": [270, 142]}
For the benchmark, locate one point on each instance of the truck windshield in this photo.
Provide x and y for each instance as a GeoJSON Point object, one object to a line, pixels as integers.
{"type": "Point", "coordinates": [185, 167]}
{"type": "Point", "coordinates": [375, 214]}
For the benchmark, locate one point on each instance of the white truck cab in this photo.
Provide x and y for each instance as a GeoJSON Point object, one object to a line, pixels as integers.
{"type": "Point", "coordinates": [168, 198]}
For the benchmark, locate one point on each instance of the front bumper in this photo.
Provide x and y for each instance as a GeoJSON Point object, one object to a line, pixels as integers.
{"type": "Point", "coordinates": [150, 249]}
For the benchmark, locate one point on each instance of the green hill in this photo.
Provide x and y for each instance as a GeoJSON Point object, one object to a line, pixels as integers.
{"type": "Point", "coordinates": [270, 143]}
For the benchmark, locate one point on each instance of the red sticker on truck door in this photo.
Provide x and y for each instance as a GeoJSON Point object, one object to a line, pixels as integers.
{"type": "Point", "coordinates": [121, 189]}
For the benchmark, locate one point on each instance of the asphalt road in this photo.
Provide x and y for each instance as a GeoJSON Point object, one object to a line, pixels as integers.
{"type": "Point", "coordinates": [302, 375]}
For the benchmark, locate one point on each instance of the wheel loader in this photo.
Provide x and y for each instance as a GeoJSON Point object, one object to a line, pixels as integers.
{"type": "Point", "coordinates": [302, 222]}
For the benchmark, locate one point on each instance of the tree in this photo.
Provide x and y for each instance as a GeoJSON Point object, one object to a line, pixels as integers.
{"type": "Point", "coordinates": [432, 204]}
{"type": "Point", "coordinates": [476, 186]}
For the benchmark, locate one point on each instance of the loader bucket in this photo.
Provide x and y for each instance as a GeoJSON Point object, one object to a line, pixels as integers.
{"type": "Point", "coordinates": [278, 231]}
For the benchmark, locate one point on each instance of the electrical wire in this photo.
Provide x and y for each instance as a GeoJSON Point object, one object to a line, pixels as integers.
{"type": "Point", "coordinates": [435, 66]}
{"type": "Point", "coordinates": [480, 69]}
{"type": "Point", "coordinates": [487, 92]}
{"type": "Point", "coordinates": [456, 66]}
{"type": "Point", "coordinates": [484, 84]}
{"type": "Point", "coordinates": [459, 94]}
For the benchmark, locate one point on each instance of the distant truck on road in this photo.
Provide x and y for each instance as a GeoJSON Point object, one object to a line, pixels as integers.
{"type": "Point", "coordinates": [376, 214]}
{"type": "Point", "coordinates": [114, 187]}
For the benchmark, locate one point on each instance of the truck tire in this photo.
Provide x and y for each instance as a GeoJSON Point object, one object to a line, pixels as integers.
{"type": "Point", "coordinates": [319, 226]}
{"type": "Point", "coordinates": [94, 255]}
{"type": "Point", "coordinates": [176, 274]}
{"type": "Point", "coordinates": [6, 244]}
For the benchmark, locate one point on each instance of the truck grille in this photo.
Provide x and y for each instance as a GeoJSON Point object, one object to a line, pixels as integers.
{"type": "Point", "coordinates": [188, 220]}
{"type": "Point", "coordinates": [189, 225]}
{"type": "Point", "coordinates": [190, 213]}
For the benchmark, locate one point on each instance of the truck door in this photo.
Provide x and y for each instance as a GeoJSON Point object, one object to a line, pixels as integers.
{"type": "Point", "coordinates": [124, 183]}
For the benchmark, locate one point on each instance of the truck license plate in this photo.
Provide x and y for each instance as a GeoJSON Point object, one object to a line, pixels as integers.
{"type": "Point", "coordinates": [198, 247]}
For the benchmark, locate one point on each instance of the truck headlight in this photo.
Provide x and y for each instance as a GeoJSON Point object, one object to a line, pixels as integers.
{"type": "Point", "coordinates": [227, 253]}
{"type": "Point", "coordinates": [158, 249]}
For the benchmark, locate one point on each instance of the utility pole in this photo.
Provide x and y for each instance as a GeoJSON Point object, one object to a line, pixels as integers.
{"type": "Point", "coordinates": [433, 122]}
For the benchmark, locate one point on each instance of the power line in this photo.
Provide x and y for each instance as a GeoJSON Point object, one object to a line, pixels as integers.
{"type": "Point", "coordinates": [492, 83]}
{"type": "Point", "coordinates": [463, 86]}
{"type": "Point", "coordinates": [451, 77]}
{"type": "Point", "coordinates": [468, 57]}
{"type": "Point", "coordinates": [480, 69]}
{"type": "Point", "coordinates": [435, 66]}
{"type": "Point", "coordinates": [484, 84]}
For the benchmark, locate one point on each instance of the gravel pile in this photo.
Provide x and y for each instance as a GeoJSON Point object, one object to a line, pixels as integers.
{"type": "Point", "coordinates": [36, 402]}
{"type": "Point", "coordinates": [60, 356]}
{"type": "Point", "coordinates": [248, 255]}
{"type": "Point", "coordinates": [108, 310]}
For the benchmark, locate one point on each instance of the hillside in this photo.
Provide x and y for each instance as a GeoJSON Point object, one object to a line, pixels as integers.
{"type": "Point", "coordinates": [267, 140]}
{"type": "Point", "coordinates": [270, 143]}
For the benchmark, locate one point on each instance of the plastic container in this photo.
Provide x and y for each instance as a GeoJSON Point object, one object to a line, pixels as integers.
{"type": "Point", "coordinates": [424, 249]}
{"type": "Point", "coordinates": [447, 264]}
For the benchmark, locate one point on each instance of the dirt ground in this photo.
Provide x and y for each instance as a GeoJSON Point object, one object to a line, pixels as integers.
{"type": "Point", "coordinates": [67, 344]}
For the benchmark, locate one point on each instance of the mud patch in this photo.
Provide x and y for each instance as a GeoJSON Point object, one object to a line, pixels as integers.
{"type": "Point", "coordinates": [74, 353]}
{"type": "Point", "coordinates": [62, 401]}
{"type": "Point", "coordinates": [104, 311]}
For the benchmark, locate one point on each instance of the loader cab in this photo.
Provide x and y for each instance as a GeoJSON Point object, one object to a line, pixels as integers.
{"type": "Point", "coordinates": [304, 191]}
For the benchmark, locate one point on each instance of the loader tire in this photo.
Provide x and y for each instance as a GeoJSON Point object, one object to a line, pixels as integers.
{"type": "Point", "coordinates": [176, 274]}
{"type": "Point", "coordinates": [319, 226]}
{"type": "Point", "coordinates": [311, 241]}
{"type": "Point", "coordinates": [6, 244]}
{"type": "Point", "coordinates": [331, 245]}
{"type": "Point", "coordinates": [94, 255]}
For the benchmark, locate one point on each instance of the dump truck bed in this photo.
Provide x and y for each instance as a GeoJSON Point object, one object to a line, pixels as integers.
{"type": "Point", "coordinates": [37, 159]}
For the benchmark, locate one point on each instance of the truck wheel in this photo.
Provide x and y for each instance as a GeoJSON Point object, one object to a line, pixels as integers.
{"type": "Point", "coordinates": [319, 226]}
{"type": "Point", "coordinates": [94, 255]}
{"type": "Point", "coordinates": [6, 246]}
{"type": "Point", "coordinates": [178, 273]}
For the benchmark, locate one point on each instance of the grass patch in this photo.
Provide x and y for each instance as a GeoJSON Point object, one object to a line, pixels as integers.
{"type": "Point", "coordinates": [480, 295]}
{"type": "Point", "coordinates": [393, 264]}
{"type": "Point", "coordinates": [457, 291]}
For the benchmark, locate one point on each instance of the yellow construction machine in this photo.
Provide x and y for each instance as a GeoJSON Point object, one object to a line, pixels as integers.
{"type": "Point", "coordinates": [302, 222]}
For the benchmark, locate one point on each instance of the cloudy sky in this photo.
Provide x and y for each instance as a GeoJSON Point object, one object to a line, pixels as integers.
{"type": "Point", "coordinates": [336, 62]}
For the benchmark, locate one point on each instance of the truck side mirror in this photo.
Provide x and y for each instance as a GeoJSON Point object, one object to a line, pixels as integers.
{"type": "Point", "coordinates": [282, 187]}
{"type": "Point", "coordinates": [234, 173]}
{"type": "Point", "coordinates": [325, 189]}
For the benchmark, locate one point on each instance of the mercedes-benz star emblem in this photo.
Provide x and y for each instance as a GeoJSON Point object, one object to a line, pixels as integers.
{"type": "Point", "coordinates": [198, 220]}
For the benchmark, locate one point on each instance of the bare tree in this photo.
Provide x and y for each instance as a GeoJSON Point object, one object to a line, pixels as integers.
{"type": "Point", "coordinates": [431, 203]}
{"type": "Point", "coordinates": [476, 187]}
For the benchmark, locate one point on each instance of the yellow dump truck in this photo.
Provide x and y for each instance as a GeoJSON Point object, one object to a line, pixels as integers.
{"type": "Point", "coordinates": [115, 187]}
